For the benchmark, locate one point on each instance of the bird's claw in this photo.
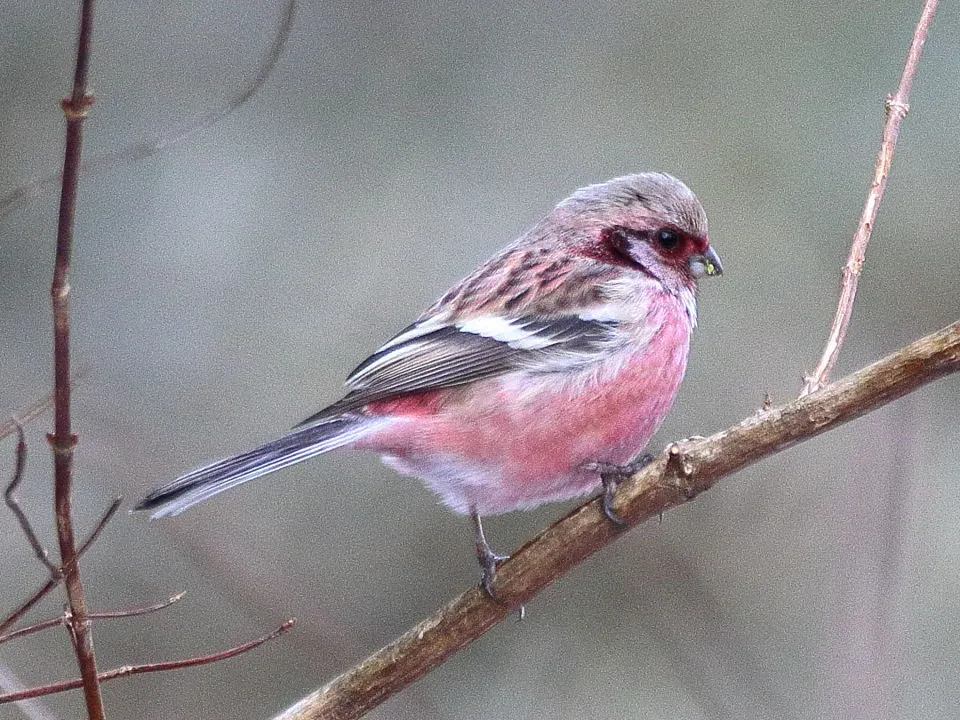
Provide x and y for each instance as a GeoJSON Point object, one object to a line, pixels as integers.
{"type": "Point", "coordinates": [486, 557]}
{"type": "Point", "coordinates": [611, 475]}
{"type": "Point", "coordinates": [488, 565]}
{"type": "Point", "coordinates": [609, 494]}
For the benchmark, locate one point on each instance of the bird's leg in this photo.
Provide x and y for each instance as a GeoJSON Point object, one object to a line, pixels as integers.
{"type": "Point", "coordinates": [487, 558]}
{"type": "Point", "coordinates": [611, 475]}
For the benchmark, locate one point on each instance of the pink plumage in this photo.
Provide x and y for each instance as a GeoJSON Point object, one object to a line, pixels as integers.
{"type": "Point", "coordinates": [561, 353]}
{"type": "Point", "coordinates": [515, 442]}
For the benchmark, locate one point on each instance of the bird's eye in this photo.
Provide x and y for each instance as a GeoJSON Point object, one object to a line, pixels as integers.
{"type": "Point", "coordinates": [667, 239]}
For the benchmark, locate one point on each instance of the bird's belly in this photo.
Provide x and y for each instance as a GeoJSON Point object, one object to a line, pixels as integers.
{"type": "Point", "coordinates": [519, 441]}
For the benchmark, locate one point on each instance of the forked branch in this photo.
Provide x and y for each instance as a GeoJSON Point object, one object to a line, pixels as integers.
{"type": "Point", "coordinates": [57, 577]}
{"type": "Point", "coordinates": [107, 615]}
{"type": "Point", "coordinates": [126, 670]}
{"type": "Point", "coordinates": [896, 107]}
{"type": "Point", "coordinates": [169, 137]}
{"type": "Point", "coordinates": [20, 464]}
{"type": "Point", "coordinates": [681, 473]}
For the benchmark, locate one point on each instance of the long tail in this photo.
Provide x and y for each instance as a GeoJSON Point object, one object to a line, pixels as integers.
{"type": "Point", "coordinates": [202, 483]}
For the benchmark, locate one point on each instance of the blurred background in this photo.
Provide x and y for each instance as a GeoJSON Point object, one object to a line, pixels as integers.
{"type": "Point", "coordinates": [223, 288]}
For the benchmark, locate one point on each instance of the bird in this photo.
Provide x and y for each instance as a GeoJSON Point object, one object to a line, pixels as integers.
{"type": "Point", "coordinates": [538, 377]}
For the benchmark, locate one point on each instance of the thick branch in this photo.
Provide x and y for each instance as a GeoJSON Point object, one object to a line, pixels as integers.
{"type": "Point", "coordinates": [896, 107]}
{"type": "Point", "coordinates": [681, 473]}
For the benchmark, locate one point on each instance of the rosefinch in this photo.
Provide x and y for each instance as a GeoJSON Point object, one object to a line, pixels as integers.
{"type": "Point", "coordinates": [535, 377]}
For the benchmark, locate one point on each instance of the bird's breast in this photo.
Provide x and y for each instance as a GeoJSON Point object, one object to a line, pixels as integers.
{"type": "Point", "coordinates": [522, 439]}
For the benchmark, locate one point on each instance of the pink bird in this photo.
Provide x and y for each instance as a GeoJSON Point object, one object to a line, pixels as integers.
{"type": "Point", "coordinates": [535, 378]}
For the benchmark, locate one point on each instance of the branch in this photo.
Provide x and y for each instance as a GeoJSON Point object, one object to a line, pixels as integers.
{"type": "Point", "coordinates": [55, 579]}
{"type": "Point", "coordinates": [147, 668]}
{"type": "Point", "coordinates": [14, 506]}
{"type": "Point", "coordinates": [56, 573]}
{"type": "Point", "coordinates": [686, 469]}
{"type": "Point", "coordinates": [170, 138]}
{"type": "Point", "coordinates": [62, 440]}
{"type": "Point", "coordinates": [896, 107]}
{"type": "Point", "coordinates": [108, 615]}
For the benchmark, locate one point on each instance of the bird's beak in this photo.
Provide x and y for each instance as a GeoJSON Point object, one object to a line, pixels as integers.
{"type": "Point", "coordinates": [705, 263]}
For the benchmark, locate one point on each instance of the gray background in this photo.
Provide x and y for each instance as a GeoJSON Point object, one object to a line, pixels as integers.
{"type": "Point", "coordinates": [224, 287]}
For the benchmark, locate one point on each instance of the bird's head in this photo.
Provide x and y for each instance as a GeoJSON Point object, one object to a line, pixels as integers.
{"type": "Point", "coordinates": [649, 222]}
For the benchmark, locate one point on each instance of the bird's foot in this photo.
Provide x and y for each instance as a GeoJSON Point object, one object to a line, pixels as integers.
{"type": "Point", "coordinates": [486, 557]}
{"type": "Point", "coordinates": [611, 475]}
{"type": "Point", "coordinates": [488, 565]}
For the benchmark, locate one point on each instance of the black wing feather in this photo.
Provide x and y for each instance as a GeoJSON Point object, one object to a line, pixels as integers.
{"type": "Point", "coordinates": [448, 357]}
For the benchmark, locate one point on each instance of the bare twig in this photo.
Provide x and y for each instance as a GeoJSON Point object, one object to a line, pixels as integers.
{"type": "Point", "coordinates": [896, 107]}
{"type": "Point", "coordinates": [164, 141]}
{"type": "Point", "coordinates": [62, 440]}
{"type": "Point", "coordinates": [28, 604]}
{"type": "Point", "coordinates": [681, 473]}
{"type": "Point", "coordinates": [147, 668]}
{"type": "Point", "coordinates": [101, 524]}
{"type": "Point", "coordinates": [108, 615]}
{"type": "Point", "coordinates": [11, 501]}
{"type": "Point", "coordinates": [54, 580]}
{"type": "Point", "coordinates": [136, 612]}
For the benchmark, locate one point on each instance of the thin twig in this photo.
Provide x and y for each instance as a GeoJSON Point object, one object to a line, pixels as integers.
{"type": "Point", "coordinates": [107, 615]}
{"type": "Point", "coordinates": [678, 475]}
{"type": "Point", "coordinates": [135, 612]}
{"type": "Point", "coordinates": [54, 581]}
{"type": "Point", "coordinates": [164, 141]}
{"type": "Point", "coordinates": [101, 524]}
{"type": "Point", "coordinates": [14, 422]}
{"type": "Point", "coordinates": [11, 501]}
{"type": "Point", "coordinates": [28, 604]}
{"type": "Point", "coordinates": [896, 107]}
{"type": "Point", "coordinates": [147, 668]}
{"type": "Point", "coordinates": [62, 440]}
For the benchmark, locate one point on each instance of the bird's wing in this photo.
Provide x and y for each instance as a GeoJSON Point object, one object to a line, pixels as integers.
{"type": "Point", "coordinates": [433, 354]}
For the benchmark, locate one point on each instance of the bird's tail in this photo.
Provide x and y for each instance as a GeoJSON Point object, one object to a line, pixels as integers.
{"type": "Point", "coordinates": [202, 483]}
